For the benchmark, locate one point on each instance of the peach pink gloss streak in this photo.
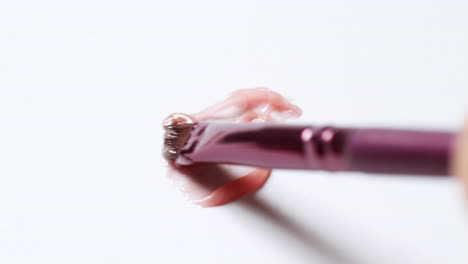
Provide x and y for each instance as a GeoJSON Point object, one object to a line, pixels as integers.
{"type": "Point", "coordinates": [208, 184]}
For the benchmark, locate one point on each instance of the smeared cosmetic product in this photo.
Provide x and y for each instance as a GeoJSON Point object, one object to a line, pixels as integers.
{"type": "Point", "coordinates": [195, 146]}
{"type": "Point", "coordinates": [212, 184]}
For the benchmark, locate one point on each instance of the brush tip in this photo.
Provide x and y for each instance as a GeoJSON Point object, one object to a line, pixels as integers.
{"type": "Point", "coordinates": [178, 127]}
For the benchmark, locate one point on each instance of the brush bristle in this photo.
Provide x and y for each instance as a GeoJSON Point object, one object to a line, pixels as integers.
{"type": "Point", "coordinates": [178, 127]}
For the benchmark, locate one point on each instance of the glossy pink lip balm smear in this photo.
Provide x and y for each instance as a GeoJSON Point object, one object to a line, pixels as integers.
{"type": "Point", "coordinates": [209, 184]}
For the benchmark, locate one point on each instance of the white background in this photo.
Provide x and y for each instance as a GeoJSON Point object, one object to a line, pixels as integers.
{"type": "Point", "coordinates": [85, 84]}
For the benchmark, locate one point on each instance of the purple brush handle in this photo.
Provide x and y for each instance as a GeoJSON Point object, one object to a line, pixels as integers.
{"type": "Point", "coordinates": [321, 148]}
{"type": "Point", "coordinates": [400, 151]}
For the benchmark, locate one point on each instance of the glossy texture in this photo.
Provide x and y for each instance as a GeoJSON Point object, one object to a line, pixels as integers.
{"type": "Point", "coordinates": [216, 184]}
{"type": "Point", "coordinates": [177, 127]}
